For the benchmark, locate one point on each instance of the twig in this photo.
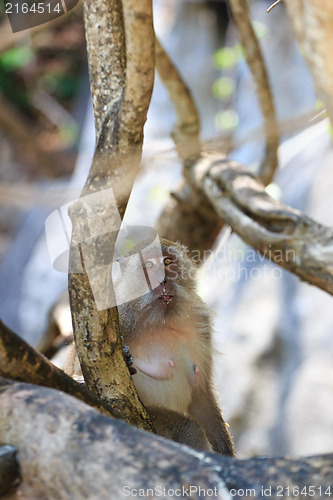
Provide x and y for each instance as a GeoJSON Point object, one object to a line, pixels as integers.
{"type": "Point", "coordinates": [273, 5]}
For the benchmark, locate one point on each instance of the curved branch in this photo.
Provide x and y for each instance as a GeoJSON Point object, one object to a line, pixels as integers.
{"type": "Point", "coordinates": [256, 64]}
{"type": "Point", "coordinates": [273, 5]}
{"type": "Point", "coordinates": [106, 56]}
{"type": "Point", "coordinates": [188, 216]}
{"type": "Point", "coordinates": [187, 127]}
{"type": "Point", "coordinates": [140, 54]}
{"type": "Point", "coordinates": [179, 220]}
{"type": "Point", "coordinates": [280, 233]}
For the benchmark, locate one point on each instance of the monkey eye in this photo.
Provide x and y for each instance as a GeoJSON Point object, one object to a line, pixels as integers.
{"type": "Point", "coordinates": [167, 261]}
{"type": "Point", "coordinates": [148, 264]}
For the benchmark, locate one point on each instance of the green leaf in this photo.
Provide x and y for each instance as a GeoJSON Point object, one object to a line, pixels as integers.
{"type": "Point", "coordinates": [16, 58]}
{"type": "Point", "coordinates": [63, 86]}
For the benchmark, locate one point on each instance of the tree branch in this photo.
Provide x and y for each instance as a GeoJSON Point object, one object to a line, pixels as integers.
{"type": "Point", "coordinates": [256, 64]}
{"type": "Point", "coordinates": [273, 5]}
{"type": "Point", "coordinates": [20, 361]}
{"type": "Point", "coordinates": [121, 84]}
{"type": "Point", "coordinates": [280, 233]}
{"type": "Point", "coordinates": [188, 216]}
{"type": "Point", "coordinates": [187, 127]}
{"type": "Point", "coordinates": [234, 195]}
{"type": "Point", "coordinates": [84, 455]}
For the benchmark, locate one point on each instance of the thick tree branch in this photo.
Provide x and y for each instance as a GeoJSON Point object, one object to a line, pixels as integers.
{"type": "Point", "coordinates": [281, 234]}
{"type": "Point", "coordinates": [140, 54]}
{"type": "Point", "coordinates": [121, 83]}
{"type": "Point", "coordinates": [257, 66]}
{"type": "Point", "coordinates": [20, 361]}
{"type": "Point", "coordinates": [73, 453]}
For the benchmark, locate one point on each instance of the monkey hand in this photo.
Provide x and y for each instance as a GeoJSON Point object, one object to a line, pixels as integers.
{"type": "Point", "coordinates": [129, 360]}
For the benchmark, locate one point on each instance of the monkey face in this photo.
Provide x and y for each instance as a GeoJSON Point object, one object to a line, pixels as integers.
{"type": "Point", "coordinates": [171, 276]}
{"type": "Point", "coordinates": [161, 273]}
{"type": "Point", "coordinates": [161, 277]}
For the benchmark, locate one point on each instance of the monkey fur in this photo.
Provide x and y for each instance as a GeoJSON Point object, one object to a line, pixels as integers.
{"type": "Point", "coordinates": [168, 331]}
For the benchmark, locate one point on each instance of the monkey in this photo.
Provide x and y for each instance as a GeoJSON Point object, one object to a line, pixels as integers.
{"type": "Point", "coordinates": [168, 331]}
{"type": "Point", "coordinates": [178, 427]}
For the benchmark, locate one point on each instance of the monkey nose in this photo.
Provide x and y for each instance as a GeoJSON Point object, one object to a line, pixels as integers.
{"type": "Point", "coordinates": [161, 277]}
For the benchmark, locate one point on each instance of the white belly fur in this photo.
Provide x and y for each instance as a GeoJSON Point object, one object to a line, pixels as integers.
{"type": "Point", "coordinates": [166, 368]}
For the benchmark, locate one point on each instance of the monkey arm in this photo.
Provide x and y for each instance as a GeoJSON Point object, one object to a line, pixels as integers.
{"type": "Point", "coordinates": [204, 408]}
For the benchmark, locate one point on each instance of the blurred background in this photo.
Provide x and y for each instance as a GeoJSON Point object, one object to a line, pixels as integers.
{"type": "Point", "coordinates": [273, 333]}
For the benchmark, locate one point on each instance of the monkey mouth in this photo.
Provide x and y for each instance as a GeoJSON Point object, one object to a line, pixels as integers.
{"type": "Point", "coordinates": [164, 294]}
{"type": "Point", "coordinates": [166, 298]}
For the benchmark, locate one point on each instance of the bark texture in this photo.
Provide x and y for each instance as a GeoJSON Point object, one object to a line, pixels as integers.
{"type": "Point", "coordinates": [67, 451]}
{"type": "Point", "coordinates": [20, 361]}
